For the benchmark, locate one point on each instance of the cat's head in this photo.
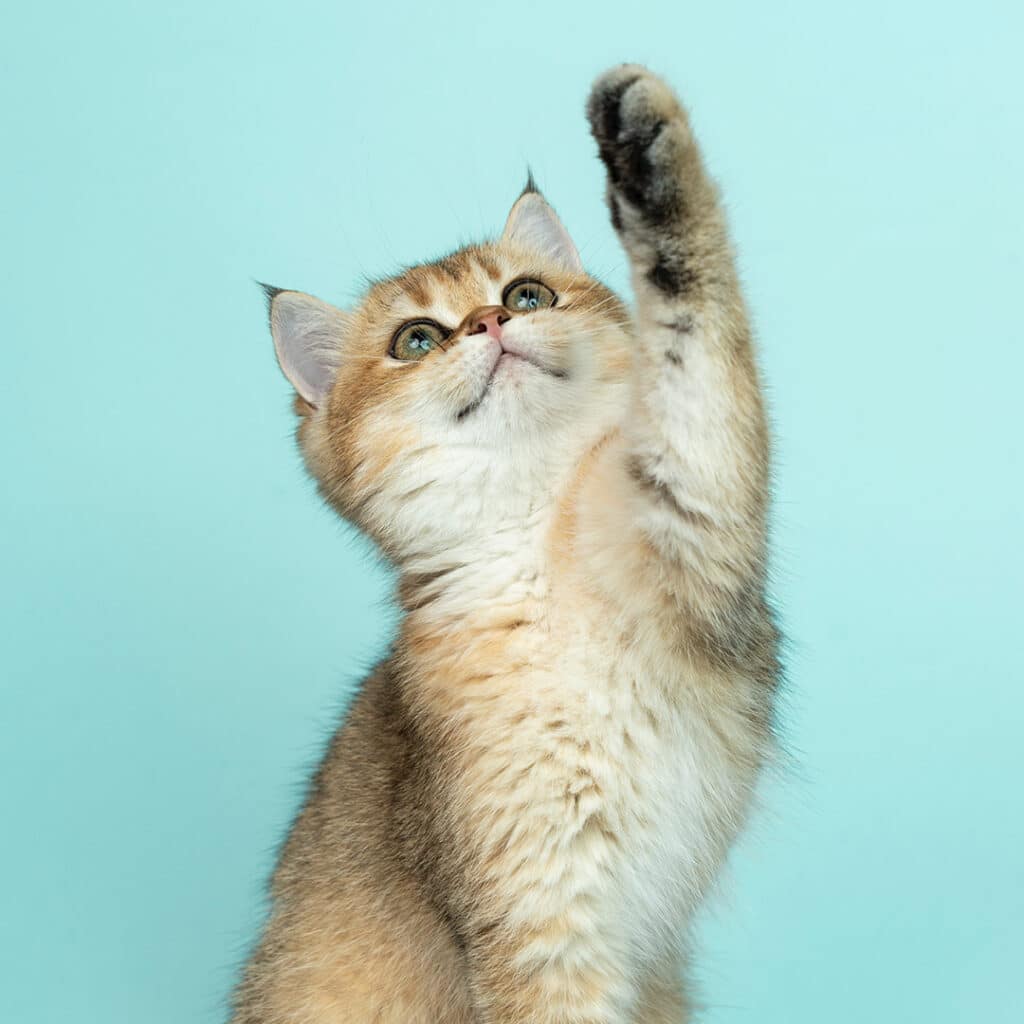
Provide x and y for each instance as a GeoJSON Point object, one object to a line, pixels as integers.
{"type": "Point", "coordinates": [460, 394]}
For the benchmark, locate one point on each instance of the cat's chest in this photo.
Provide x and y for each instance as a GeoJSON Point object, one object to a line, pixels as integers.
{"type": "Point", "coordinates": [621, 783]}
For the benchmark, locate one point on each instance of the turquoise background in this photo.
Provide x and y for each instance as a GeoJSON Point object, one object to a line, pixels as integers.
{"type": "Point", "coordinates": [181, 619]}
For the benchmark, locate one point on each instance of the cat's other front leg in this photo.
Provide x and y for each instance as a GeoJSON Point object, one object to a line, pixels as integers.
{"type": "Point", "coordinates": [696, 452]}
{"type": "Point", "coordinates": [548, 974]}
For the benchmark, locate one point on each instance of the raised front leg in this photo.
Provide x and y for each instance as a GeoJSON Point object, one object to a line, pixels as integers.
{"type": "Point", "coordinates": [695, 456]}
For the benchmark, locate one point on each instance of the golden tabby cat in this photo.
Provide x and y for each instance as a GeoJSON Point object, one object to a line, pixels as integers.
{"type": "Point", "coordinates": [530, 797]}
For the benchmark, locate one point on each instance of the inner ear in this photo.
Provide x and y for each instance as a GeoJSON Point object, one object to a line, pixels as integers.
{"type": "Point", "coordinates": [308, 339]}
{"type": "Point", "coordinates": [533, 224]}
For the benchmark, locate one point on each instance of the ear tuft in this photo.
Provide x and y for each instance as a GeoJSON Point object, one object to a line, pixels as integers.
{"type": "Point", "coordinates": [531, 183]}
{"type": "Point", "coordinates": [533, 224]}
{"type": "Point", "coordinates": [308, 338]}
{"type": "Point", "coordinates": [270, 293]}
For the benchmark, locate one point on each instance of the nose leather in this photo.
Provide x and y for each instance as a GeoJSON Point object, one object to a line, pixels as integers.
{"type": "Point", "coordinates": [487, 320]}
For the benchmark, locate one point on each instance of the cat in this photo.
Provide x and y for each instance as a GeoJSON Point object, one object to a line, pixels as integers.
{"type": "Point", "coordinates": [530, 796]}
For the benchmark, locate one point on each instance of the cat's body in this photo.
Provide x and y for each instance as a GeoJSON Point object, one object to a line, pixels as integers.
{"type": "Point", "coordinates": [530, 797]}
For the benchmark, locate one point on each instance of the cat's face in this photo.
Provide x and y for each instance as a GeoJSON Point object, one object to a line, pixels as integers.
{"type": "Point", "coordinates": [459, 391]}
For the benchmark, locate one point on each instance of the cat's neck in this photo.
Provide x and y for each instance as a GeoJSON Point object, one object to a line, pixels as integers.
{"type": "Point", "coordinates": [503, 554]}
{"type": "Point", "coordinates": [502, 565]}
{"type": "Point", "coordinates": [470, 614]}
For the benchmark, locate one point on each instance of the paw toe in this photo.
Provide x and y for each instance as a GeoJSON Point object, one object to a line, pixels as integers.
{"type": "Point", "coordinates": [606, 96]}
{"type": "Point", "coordinates": [645, 106]}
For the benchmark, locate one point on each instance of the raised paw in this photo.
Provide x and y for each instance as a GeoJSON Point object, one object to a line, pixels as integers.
{"type": "Point", "coordinates": [644, 139]}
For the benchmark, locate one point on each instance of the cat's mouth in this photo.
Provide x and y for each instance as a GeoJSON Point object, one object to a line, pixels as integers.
{"type": "Point", "coordinates": [508, 356]}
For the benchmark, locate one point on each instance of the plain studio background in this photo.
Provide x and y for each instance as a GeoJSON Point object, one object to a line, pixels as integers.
{"type": "Point", "coordinates": [181, 619]}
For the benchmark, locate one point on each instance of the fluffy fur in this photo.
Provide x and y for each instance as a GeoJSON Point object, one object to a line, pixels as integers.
{"type": "Point", "coordinates": [530, 797]}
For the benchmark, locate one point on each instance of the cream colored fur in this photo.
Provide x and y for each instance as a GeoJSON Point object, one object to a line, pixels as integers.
{"type": "Point", "coordinates": [533, 794]}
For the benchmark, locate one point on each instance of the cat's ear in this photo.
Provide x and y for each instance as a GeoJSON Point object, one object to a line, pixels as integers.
{"type": "Point", "coordinates": [533, 224]}
{"type": "Point", "coordinates": [308, 338]}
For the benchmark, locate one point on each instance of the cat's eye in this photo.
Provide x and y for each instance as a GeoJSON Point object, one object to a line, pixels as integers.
{"type": "Point", "coordinates": [528, 294]}
{"type": "Point", "coordinates": [416, 339]}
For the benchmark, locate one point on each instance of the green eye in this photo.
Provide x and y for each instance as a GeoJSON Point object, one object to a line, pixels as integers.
{"type": "Point", "coordinates": [528, 294]}
{"type": "Point", "coordinates": [416, 339]}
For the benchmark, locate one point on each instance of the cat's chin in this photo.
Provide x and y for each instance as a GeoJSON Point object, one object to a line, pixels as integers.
{"type": "Point", "coordinates": [510, 374]}
{"type": "Point", "coordinates": [512, 366]}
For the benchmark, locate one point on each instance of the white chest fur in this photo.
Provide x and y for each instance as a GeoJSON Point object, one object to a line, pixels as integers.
{"type": "Point", "coordinates": [613, 788]}
{"type": "Point", "coordinates": [604, 772]}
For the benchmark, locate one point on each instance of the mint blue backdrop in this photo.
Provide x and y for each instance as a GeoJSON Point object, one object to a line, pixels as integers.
{"type": "Point", "coordinates": [182, 621]}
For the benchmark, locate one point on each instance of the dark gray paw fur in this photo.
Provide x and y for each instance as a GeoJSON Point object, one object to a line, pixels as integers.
{"type": "Point", "coordinates": [643, 137]}
{"type": "Point", "coordinates": [639, 127]}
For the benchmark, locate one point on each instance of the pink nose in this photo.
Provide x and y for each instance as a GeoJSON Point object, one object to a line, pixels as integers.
{"type": "Point", "coordinates": [487, 320]}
